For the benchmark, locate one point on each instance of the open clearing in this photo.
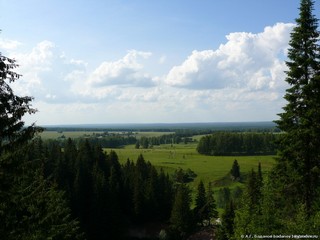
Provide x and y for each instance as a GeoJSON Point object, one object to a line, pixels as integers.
{"type": "Point", "coordinates": [208, 168]}
{"type": "Point", "coordinates": [79, 134]}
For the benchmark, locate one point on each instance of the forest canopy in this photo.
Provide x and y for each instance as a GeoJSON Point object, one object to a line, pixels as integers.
{"type": "Point", "coordinates": [229, 143]}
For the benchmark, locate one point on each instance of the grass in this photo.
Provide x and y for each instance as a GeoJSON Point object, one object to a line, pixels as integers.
{"type": "Point", "coordinates": [79, 134]}
{"type": "Point", "coordinates": [68, 134]}
{"type": "Point", "coordinates": [208, 168]}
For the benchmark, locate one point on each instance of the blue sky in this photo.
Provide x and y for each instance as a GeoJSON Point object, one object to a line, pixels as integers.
{"type": "Point", "coordinates": [146, 61]}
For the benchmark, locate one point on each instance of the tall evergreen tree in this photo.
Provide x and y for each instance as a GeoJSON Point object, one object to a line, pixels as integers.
{"type": "Point", "coordinates": [30, 207]}
{"type": "Point", "coordinates": [298, 162]}
{"type": "Point", "coordinates": [181, 215]}
{"type": "Point", "coordinates": [201, 202]}
{"type": "Point", "coordinates": [235, 170]}
{"type": "Point", "coordinates": [211, 206]}
{"type": "Point", "coordinates": [226, 229]}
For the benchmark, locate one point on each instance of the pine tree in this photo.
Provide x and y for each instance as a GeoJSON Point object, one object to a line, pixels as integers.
{"type": "Point", "coordinates": [235, 170]}
{"type": "Point", "coordinates": [201, 202]}
{"type": "Point", "coordinates": [13, 133]}
{"type": "Point", "coordinates": [30, 206]}
{"type": "Point", "coordinates": [226, 229]}
{"type": "Point", "coordinates": [211, 206]}
{"type": "Point", "coordinates": [40, 212]}
{"type": "Point", "coordinates": [298, 163]}
{"type": "Point", "coordinates": [181, 215]}
{"type": "Point", "coordinates": [205, 208]}
{"type": "Point", "coordinates": [165, 195]}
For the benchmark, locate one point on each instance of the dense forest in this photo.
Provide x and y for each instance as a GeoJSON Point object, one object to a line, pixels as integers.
{"type": "Point", "coordinates": [78, 191]}
{"type": "Point", "coordinates": [106, 197]}
{"type": "Point", "coordinates": [228, 143]}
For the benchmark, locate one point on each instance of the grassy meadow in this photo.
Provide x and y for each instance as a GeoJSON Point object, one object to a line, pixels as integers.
{"type": "Point", "coordinates": [79, 134]}
{"type": "Point", "coordinates": [169, 157]}
{"type": "Point", "coordinates": [208, 168]}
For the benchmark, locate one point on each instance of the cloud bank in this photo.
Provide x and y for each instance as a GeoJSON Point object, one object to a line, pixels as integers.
{"type": "Point", "coordinates": [246, 61]}
{"type": "Point", "coordinates": [241, 80]}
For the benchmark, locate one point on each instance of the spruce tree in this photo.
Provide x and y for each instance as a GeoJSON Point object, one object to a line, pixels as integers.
{"type": "Point", "coordinates": [226, 229]}
{"type": "Point", "coordinates": [298, 163]}
{"type": "Point", "coordinates": [211, 206]}
{"type": "Point", "coordinates": [30, 206]}
{"type": "Point", "coordinates": [181, 215]}
{"type": "Point", "coordinates": [235, 170]}
{"type": "Point", "coordinates": [13, 132]}
{"type": "Point", "coordinates": [201, 202]}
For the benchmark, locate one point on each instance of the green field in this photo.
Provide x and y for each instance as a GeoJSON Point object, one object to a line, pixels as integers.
{"type": "Point", "coordinates": [171, 157]}
{"type": "Point", "coordinates": [79, 134]}
{"type": "Point", "coordinates": [208, 168]}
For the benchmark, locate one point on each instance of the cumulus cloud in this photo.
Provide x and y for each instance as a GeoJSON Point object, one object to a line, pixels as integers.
{"type": "Point", "coordinates": [243, 75]}
{"type": "Point", "coordinates": [127, 72]}
{"type": "Point", "coordinates": [47, 74]}
{"type": "Point", "coordinates": [9, 44]}
{"type": "Point", "coordinates": [245, 60]}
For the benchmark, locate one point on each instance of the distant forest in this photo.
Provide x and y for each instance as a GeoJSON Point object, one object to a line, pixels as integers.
{"type": "Point", "coordinates": [167, 127]}
{"type": "Point", "coordinates": [226, 143]}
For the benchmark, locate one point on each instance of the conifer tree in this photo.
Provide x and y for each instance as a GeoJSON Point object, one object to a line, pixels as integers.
{"type": "Point", "coordinates": [298, 163]}
{"type": "Point", "coordinates": [226, 229]}
{"type": "Point", "coordinates": [13, 133]}
{"type": "Point", "coordinates": [211, 206]}
{"type": "Point", "coordinates": [30, 207]}
{"type": "Point", "coordinates": [201, 202]}
{"type": "Point", "coordinates": [235, 170]}
{"type": "Point", "coordinates": [181, 215]}
{"type": "Point", "coordinates": [165, 195]}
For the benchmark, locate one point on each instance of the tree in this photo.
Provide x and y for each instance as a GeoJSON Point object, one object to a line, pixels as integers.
{"type": "Point", "coordinates": [181, 216]}
{"type": "Point", "coordinates": [30, 206]}
{"type": "Point", "coordinates": [211, 206]}
{"type": "Point", "coordinates": [201, 202]}
{"type": "Point", "coordinates": [224, 197]}
{"type": "Point", "coordinates": [13, 133]}
{"type": "Point", "coordinates": [40, 211]}
{"type": "Point", "coordinates": [226, 229]}
{"type": "Point", "coordinates": [298, 163]}
{"type": "Point", "coordinates": [249, 217]}
{"type": "Point", "coordinates": [235, 170]}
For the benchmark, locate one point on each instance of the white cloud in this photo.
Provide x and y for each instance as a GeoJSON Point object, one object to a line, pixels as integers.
{"type": "Point", "coordinates": [127, 71]}
{"type": "Point", "coordinates": [246, 60]}
{"type": "Point", "coordinates": [9, 44]}
{"type": "Point", "coordinates": [31, 66]}
{"type": "Point", "coordinates": [243, 77]}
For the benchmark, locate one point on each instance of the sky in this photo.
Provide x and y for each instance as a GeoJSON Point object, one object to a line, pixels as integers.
{"type": "Point", "coordinates": [144, 61]}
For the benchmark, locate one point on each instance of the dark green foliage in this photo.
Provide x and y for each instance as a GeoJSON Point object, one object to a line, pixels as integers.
{"type": "Point", "coordinates": [105, 196]}
{"type": "Point", "coordinates": [146, 142]}
{"type": "Point", "coordinates": [109, 141]}
{"type": "Point", "coordinates": [201, 202]}
{"type": "Point", "coordinates": [205, 208]}
{"type": "Point", "coordinates": [298, 162]}
{"type": "Point", "coordinates": [235, 171]}
{"type": "Point", "coordinates": [184, 176]}
{"type": "Point", "coordinates": [253, 189]}
{"type": "Point", "coordinates": [182, 222]}
{"type": "Point", "coordinates": [228, 143]}
{"type": "Point", "coordinates": [38, 211]}
{"type": "Point", "coordinates": [31, 207]}
{"type": "Point", "coordinates": [287, 201]}
{"type": "Point", "coordinates": [13, 133]}
{"type": "Point", "coordinates": [226, 229]}
{"type": "Point", "coordinates": [224, 197]}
